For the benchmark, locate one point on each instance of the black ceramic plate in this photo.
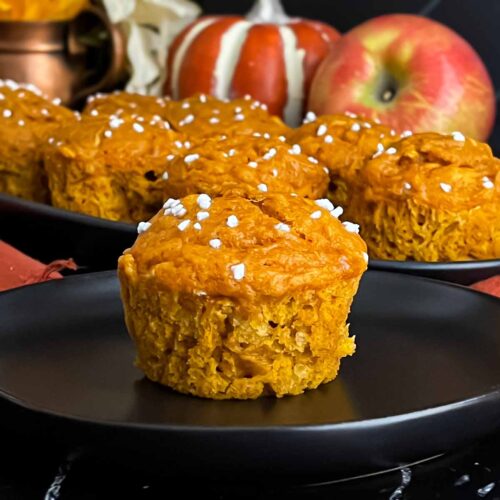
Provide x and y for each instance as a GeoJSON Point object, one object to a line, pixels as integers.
{"type": "Point", "coordinates": [49, 233]}
{"type": "Point", "coordinates": [425, 380]}
{"type": "Point", "coordinates": [463, 273]}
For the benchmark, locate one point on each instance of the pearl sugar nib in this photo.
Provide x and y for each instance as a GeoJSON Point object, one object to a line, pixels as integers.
{"type": "Point", "coordinates": [143, 227]}
{"type": "Point", "coordinates": [238, 271]}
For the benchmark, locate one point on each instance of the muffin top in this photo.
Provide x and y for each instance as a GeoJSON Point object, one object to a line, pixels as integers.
{"type": "Point", "coordinates": [247, 164]}
{"type": "Point", "coordinates": [339, 141]}
{"type": "Point", "coordinates": [119, 103]}
{"type": "Point", "coordinates": [127, 143]}
{"type": "Point", "coordinates": [26, 115]}
{"type": "Point", "coordinates": [246, 247]}
{"type": "Point", "coordinates": [442, 171]}
{"type": "Point", "coordinates": [203, 115]}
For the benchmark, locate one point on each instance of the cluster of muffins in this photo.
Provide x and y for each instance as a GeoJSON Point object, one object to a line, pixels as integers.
{"type": "Point", "coordinates": [242, 277]}
{"type": "Point", "coordinates": [424, 197]}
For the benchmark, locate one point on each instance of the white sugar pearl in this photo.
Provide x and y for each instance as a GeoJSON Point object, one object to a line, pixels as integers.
{"type": "Point", "coordinates": [262, 187]}
{"type": "Point", "coordinates": [187, 120]}
{"type": "Point", "coordinates": [310, 117]}
{"type": "Point", "coordinates": [204, 201]}
{"type": "Point", "coordinates": [316, 215]}
{"type": "Point", "coordinates": [202, 215]}
{"type": "Point", "coordinates": [138, 128]}
{"type": "Point", "coordinates": [445, 187]}
{"type": "Point", "coordinates": [215, 243]}
{"type": "Point", "coordinates": [322, 130]}
{"type": "Point", "coordinates": [171, 202]}
{"type": "Point", "coordinates": [458, 136]}
{"type": "Point", "coordinates": [238, 271]}
{"type": "Point", "coordinates": [337, 212]}
{"type": "Point", "coordinates": [325, 203]}
{"type": "Point", "coordinates": [270, 154]}
{"type": "Point", "coordinates": [143, 226]}
{"type": "Point", "coordinates": [183, 225]}
{"type": "Point", "coordinates": [232, 221]}
{"type": "Point", "coordinates": [191, 158]}
{"type": "Point", "coordinates": [352, 228]}
{"type": "Point", "coordinates": [487, 183]}
{"type": "Point", "coordinates": [282, 227]}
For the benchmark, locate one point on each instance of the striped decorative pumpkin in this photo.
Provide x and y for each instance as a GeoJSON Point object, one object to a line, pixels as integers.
{"type": "Point", "coordinates": [265, 54]}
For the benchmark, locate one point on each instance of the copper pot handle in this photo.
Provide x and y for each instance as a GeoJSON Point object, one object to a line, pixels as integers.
{"type": "Point", "coordinates": [118, 61]}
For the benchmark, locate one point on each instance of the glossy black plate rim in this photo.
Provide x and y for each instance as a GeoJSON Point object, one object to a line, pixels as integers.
{"type": "Point", "coordinates": [285, 428]}
{"type": "Point", "coordinates": [19, 204]}
{"type": "Point", "coordinates": [365, 424]}
{"type": "Point", "coordinates": [396, 265]}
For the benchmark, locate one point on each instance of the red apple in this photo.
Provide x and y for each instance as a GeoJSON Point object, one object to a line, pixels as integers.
{"type": "Point", "coordinates": [409, 72]}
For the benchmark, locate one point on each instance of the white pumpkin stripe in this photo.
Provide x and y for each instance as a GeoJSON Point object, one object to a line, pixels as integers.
{"type": "Point", "coordinates": [231, 45]}
{"type": "Point", "coordinates": [294, 67]}
{"type": "Point", "coordinates": [180, 54]}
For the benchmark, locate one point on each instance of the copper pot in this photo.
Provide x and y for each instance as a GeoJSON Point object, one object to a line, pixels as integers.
{"type": "Point", "coordinates": [66, 59]}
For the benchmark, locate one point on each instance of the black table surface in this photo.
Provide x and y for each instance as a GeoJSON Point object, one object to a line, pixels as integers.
{"type": "Point", "coordinates": [40, 470]}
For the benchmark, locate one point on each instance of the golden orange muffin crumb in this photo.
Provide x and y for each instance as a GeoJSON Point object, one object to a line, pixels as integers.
{"type": "Point", "coordinates": [27, 119]}
{"type": "Point", "coordinates": [237, 297]}
{"type": "Point", "coordinates": [429, 197]}
{"type": "Point", "coordinates": [111, 167]}
{"type": "Point", "coordinates": [247, 165]}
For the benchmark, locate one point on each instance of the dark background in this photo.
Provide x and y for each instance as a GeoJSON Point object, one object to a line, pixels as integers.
{"type": "Point", "coordinates": [478, 21]}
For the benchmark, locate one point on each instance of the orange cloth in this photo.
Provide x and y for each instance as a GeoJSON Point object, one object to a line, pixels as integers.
{"type": "Point", "coordinates": [491, 286]}
{"type": "Point", "coordinates": [17, 269]}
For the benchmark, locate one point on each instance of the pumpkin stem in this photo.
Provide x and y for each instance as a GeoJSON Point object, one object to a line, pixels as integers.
{"type": "Point", "coordinates": [268, 11]}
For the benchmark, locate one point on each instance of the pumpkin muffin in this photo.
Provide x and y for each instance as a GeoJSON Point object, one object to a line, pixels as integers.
{"type": "Point", "coordinates": [341, 142]}
{"type": "Point", "coordinates": [202, 116]}
{"type": "Point", "coordinates": [242, 297]}
{"type": "Point", "coordinates": [429, 197]}
{"type": "Point", "coordinates": [110, 167]}
{"type": "Point", "coordinates": [247, 165]}
{"type": "Point", "coordinates": [27, 119]}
